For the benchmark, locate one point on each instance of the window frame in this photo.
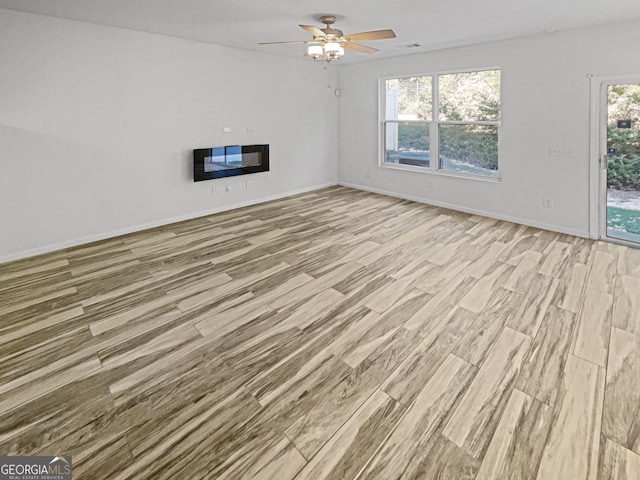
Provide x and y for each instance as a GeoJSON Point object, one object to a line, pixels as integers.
{"type": "Point", "coordinates": [434, 124]}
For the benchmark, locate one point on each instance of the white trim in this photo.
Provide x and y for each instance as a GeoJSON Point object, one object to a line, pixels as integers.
{"type": "Point", "coordinates": [434, 128]}
{"type": "Point", "coordinates": [434, 123]}
{"type": "Point", "coordinates": [594, 158]}
{"type": "Point", "coordinates": [472, 211]}
{"type": "Point", "coordinates": [158, 223]}
{"type": "Point", "coordinates": [408, 121]}
{"type": "Point", "coordinates": [444, 173]}
{"type": "Point", "coordinates": [492, 123]}
{"type": "Point", "coordinates": [440, 72]}
{"type": "Point", "coordinates": [624, 243]}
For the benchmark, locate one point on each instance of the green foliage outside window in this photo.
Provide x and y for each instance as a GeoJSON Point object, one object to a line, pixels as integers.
{"type": "Point", "coordinates": [412, 136]}
{"type": "Point", "coordinates": [624, 166]}
{"type": "Point", "coordinates": [474, 144]}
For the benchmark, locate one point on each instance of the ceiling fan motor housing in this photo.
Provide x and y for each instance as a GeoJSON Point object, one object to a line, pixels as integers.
{"type": "Point", "coordinates": [328, 31]}
{"type": "Point", "coordinates": [328, 19]}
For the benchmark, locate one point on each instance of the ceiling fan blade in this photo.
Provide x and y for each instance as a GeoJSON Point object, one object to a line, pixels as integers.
{"type": "Point", "coordinates": [287, 43]}
{"type": "Point", "coordinates": [315, 31]}
{"type": "Point", "coordinates": [359, 48]}
{"type": "Point", "coordinates": [374, 35]}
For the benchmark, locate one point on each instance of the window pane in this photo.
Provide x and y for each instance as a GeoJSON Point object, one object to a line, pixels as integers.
{"type": "Point", "coordinates": [407, 143]}
{"type": "Point", "coordinates": [408, 98]}
{"type": "Point", "coordinates": [469, 149]}
{"type": "Point", "coordinates": [470, 96]}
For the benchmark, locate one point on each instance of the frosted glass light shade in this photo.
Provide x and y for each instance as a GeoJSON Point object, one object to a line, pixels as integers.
{"type": "Point", "coordinates": [315, 51]}
{"type": "Point", "coordinates": [333, 47]}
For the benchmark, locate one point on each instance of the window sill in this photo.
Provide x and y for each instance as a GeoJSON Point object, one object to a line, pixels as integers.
{"type": "Point", "coordinates": [444, 173]}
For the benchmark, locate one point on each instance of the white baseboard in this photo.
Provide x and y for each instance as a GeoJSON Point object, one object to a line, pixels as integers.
{"type": "Point", "coordinates": [158, 223]}
{"type": "Point", "coordinates": [473, 211]}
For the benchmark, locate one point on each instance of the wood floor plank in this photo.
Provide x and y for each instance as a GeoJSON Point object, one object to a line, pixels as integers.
{"type": "Point", "coordinates": [364, 336]}
{"type": "Point", "coordinates": [629, 262]}
{"type": "Point", "coordinates": [450, 250]}
{"type": "Point", "coordinates": [616, 462]}
{"type": "Point", "coordinates": [18, 330]}
{"type": "Point", "coordinates": [516, 447]}
{"type": "Point", "coordinates": [570, 287]}
{"type": "Point", "coordinates": [525, 272]}
{"type": "Point", "coordinates": [481, 335]}
{"type": "Point", "coordinates": [521, 241]}
{"type": "Point", "coordinates": [480, 294]}
{"type": "Point", "coordinates": [591, 340]}
{"type": "Point", "coordinates": [350, 448]}
{"type": "Point", "coordinates": [402, 453]}
{"type": "Point", "coordinates": [621, 417]}
{"type": "Point", "coordinates": [572, 447]}
{"type": "Point", "coordinates": [15, 277]}
{"type": "Point", "coordinates": [556, 260]}
{"type": "Point", "coordinates": [305, 361]}
{"type": "Point", "coordinates": [142, 313]}
{"type": "Point", "coordinates": [475, 419]}
{"type": "Point", "coordinates": [626, 308]}
{"type": "Point", "coordinates": [19, 391]}
{"type": "Point", "coordinates": [428, 317]}
{"type": "Point", "coordinates": [603, 271]}
{"type": "Point", "coordinates": [541, 373]}
{"type": "Point", "coordinates": [534, 305]}
{"type": "Point", "coordinates": [406, 382]}
{"type": "Point", "coordinates": [9, 308]}
{"type": "Point", "coordinates": [481, 265]}
{"type": "Point", "coordinates": [319, 420]}
{"type": "Point", "coordinates": [387, 296]}
{"type": "Point", "coordinates": [439, 276]}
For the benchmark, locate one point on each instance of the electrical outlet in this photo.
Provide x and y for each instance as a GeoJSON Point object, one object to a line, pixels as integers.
{"type": "Point", "coordinates": [214, 190]}
{"type": "Point", "coordinates": [561, 152]}
{"type": "Point", "coordinates": [249, 184]}
{"type": "Point", "coordinates": [227, 188]}
{"type": "Point", "coordinates": [547, 203]}
{"type": "Point", "coordinates": [367, 174]}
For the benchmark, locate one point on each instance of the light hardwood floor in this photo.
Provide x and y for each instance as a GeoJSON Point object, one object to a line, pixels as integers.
{"type": "Point", "coordinates": [335, 334]}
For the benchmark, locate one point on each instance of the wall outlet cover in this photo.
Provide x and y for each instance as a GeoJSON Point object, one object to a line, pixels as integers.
{"type": "Point", "coordinates": [561, 152]}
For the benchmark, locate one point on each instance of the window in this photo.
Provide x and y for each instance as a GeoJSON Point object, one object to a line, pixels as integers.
{"type": "Point", "coordinates": [452, 117]}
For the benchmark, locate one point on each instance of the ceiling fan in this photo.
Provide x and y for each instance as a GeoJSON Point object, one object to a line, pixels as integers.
{"type": "Point", "coordinates": [328, 43]}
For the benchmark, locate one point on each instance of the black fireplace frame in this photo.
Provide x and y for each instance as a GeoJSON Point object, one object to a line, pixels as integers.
{"type": "Point", "coordinates": [200, 155]}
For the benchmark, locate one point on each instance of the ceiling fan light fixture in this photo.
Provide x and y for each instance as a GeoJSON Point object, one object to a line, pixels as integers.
{"type": "Point", "coordinates": [315, 51]}
{"type": "Point", "coordinates": [333, 51]}
{"type": "Point", "coordinates": [332, 47]}
{"type": "Point", "coordinates": [329, 43]}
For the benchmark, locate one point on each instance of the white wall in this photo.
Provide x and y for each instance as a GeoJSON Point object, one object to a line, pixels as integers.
{"type": "Point", "coordinates": [97, 127]}
{"type": "Point", "coordinates": [545, 102]}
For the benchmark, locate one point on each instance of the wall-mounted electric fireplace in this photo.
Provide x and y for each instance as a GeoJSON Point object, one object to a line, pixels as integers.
{"type": "Point", "coordinates": [219, 162]}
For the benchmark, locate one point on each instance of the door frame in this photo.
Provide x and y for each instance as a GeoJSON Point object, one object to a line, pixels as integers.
{"type": "Point", "coordinates": [597, 152]}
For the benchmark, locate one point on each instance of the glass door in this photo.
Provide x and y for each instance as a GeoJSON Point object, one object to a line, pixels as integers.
{"type": "Point", "coordinates": [622, 161]}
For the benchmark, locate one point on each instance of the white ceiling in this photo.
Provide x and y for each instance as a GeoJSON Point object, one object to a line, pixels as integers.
{"type": "Point", "coordinates": [431, 23]}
